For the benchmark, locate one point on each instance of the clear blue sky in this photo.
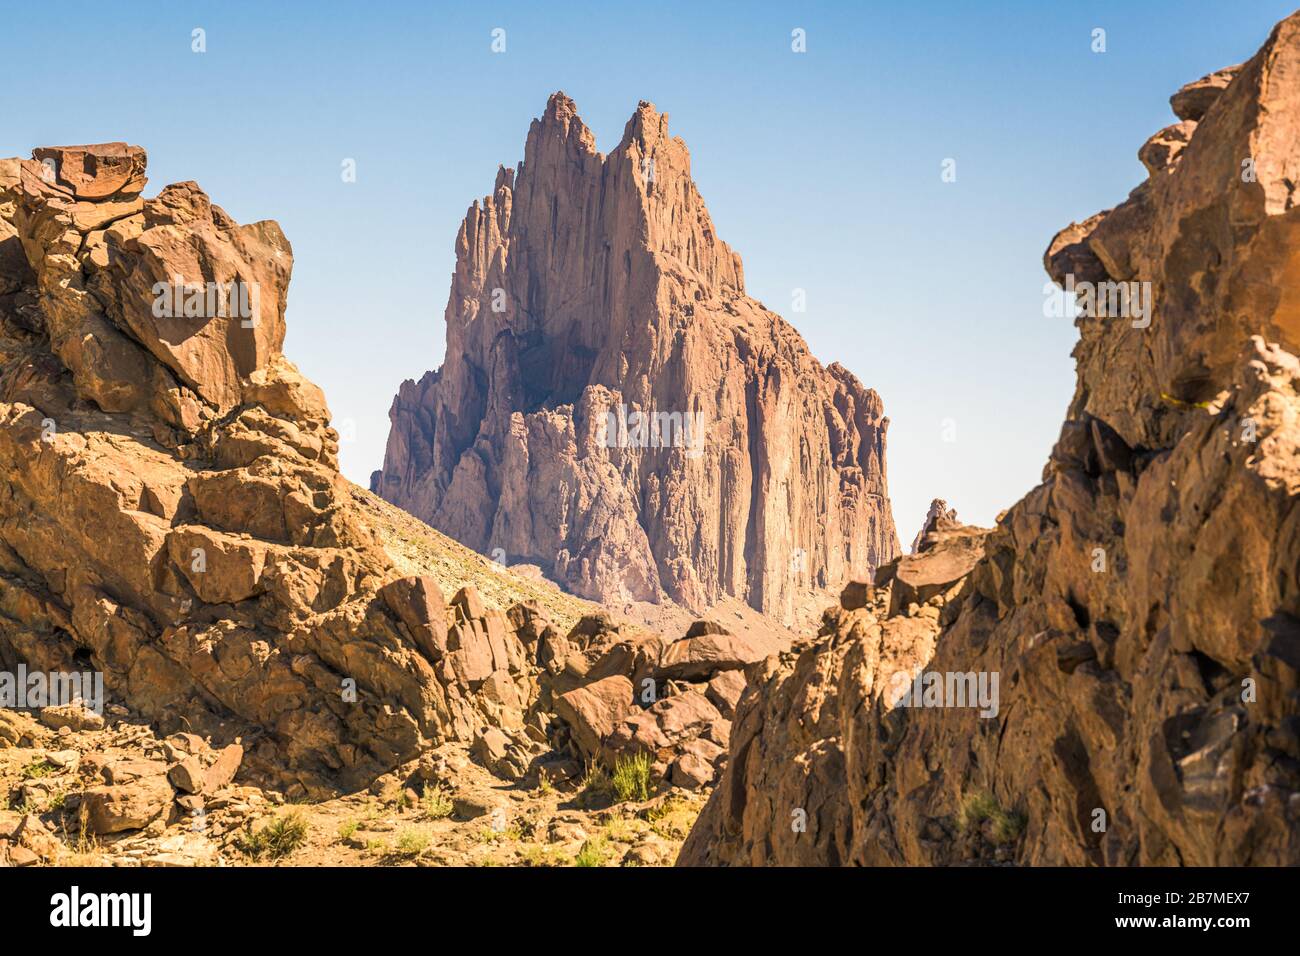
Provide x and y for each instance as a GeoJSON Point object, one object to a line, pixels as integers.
{"type": "Point", "coordinates": [822, 169]}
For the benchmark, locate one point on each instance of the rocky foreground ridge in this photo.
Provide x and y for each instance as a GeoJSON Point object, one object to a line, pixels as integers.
{"type": "Point", "coordinates": [173, 519]}
{"type": "Point", "coordinates": [1140, 606]}
{"type": "Point", "coordinates": [589, 285]}
{"type": "Point", "coordinates": [172, 514]}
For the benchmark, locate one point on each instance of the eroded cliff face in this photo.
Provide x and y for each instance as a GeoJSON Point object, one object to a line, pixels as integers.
{"type": "Point", "coordinates": [587, 285]}
{"type": "Point", "coordinates": [1140, 607]}
{"type": "Point", "coordinates": [171, 514]}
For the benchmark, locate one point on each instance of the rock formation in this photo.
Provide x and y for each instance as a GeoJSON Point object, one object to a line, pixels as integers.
{"type": "Point", "coordinates": [622, 692]}
{"type": "Point", "coordinates": [1140, 606]}
{"type": "Point", "coordinates": [938, 513]}
{"type": "Point", "coordinates": [172, 515]}
{"type": "Point", "coordinates": [150, 800]}
{"type": "Point", "coordinates": [614, 409]}
{"type": "Point", "coordinates": [173, 519]}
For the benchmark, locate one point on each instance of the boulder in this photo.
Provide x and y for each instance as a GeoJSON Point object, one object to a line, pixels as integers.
{"type": "Point", "coordinates": [222, 568]}
{"type": "Point", "coordinates": [418, 603]}
{"type": "Point", "coordinates": [671, 728]}
{"type": "Point", "coordinates": [221, 772]}
{"type": "Point", "coordinates": [691, 772]}
{"type": "Point", "coordinates": [916, 578]}
{"type": "Point", "coordinates": [724, 692]}
{"type": "Point", "coordinates": [594, 710]}
{"type": "Point", "coordinates": [1194, 100]}
{"type": "Point", "coordinates": [499, 754]}
{"type": "Point", "coordinates": [99, 172]}
{"type": "Point", "coordinates": [187, 776]}
{"type": "Point", "coordinates": [74, 716]}
{"type": "Point", "coordinates": [699, 658]}
{"type": "Point", "coordinates": [126, 806]}
{"type": "Point", "coordinates": [1160, 152]}
{"type": "Point", "coordinates": [856, 594]}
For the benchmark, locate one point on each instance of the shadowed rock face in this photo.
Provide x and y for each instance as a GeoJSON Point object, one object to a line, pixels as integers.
{"type": "Point", "coordinates": [1140, 606]}
{"type": "Point", "coordinates": [172, 514]}
{"type": "Point", "coordinates": [588, 284]}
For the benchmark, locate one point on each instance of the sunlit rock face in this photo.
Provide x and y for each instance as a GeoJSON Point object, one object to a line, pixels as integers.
{"type": "Point", "coordinates": [172, 517]}
{"type": "Point", "coordinates": [614, 409]}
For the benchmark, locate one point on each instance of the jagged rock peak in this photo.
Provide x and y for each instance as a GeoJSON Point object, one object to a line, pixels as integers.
{"type": "Point", "coordinates": [938, 515]}
{"type": "Point", "coordinates": [592, 286]}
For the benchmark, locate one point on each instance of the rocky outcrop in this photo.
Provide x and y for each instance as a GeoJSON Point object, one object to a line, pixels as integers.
{"type": "Point", "coordinates": [173, 519]}
{"type": "Point", "coordinates": [1138, 609]}
{"type": "Point", "coordinates": [172, 515]}
{"type": "Point", "coordinates": [618, 693]}
{"type": "Point", "coordinates": [945, 552]}
{"type": "Point", "coordinates": [936, 513]}
{"type": "Point", "coordinates": [613, 407]}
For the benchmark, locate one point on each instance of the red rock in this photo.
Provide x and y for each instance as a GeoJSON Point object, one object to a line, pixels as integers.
{"type": "Point", "coordinates": [685, 725]}
{"type": "Point", "coordinates": [1138, 605]}
{"type": "Point", "coordinates": [686, 714]}
{"type": "Point", "coordinates": [1194, 99]}
{"type": "Point", "coordinates": [222, 771]}
{"type": "Point", "coordinates": [856, 594]}
{"type": "Point", "coordinates": [725, 690]}
{"type": "Point", "coordinates": [97, 172]}
{"type": "Point", "coordinates": [638, 732]}
{"type": "Point", "coordinates": [470, 653]}
{"type": "Point", "coordinates": [699, 658]}
{"type": "Point", "coordinates": [222, 568]}
{"type": "Point", "coordinates": [1162, 150]}
{"type": "Point", "coordinates": [586, 286]}
{"type": "Point", "coordinates": [194, 535]}
{"type": "Point", "coordinates": [468, 604]}
{"type": "Point", "coordinates": [594, 710]}
{"type": "Point", "coordinates": [187, 776]}
{"type": "Point", "coordinates": [916, 578]}
{"type": "Point", "coordinates": [21, 856]}
{"type": "Point", "coordinates": [491, 748]}
{"type": "Point", "coordinates": [125, 806]}
{"type": "Point", "coordinates": [418, 603]}
{"type": "Point", "coordinates": [691, 771]}
{"type": "Point", "coordinates": [76, 716]}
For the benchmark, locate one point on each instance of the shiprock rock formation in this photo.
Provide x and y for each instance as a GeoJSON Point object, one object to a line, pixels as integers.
{"type": "Point", "coordinates": [1139, 608]}
{"type": "Point", "coordinates": [613, 407]}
